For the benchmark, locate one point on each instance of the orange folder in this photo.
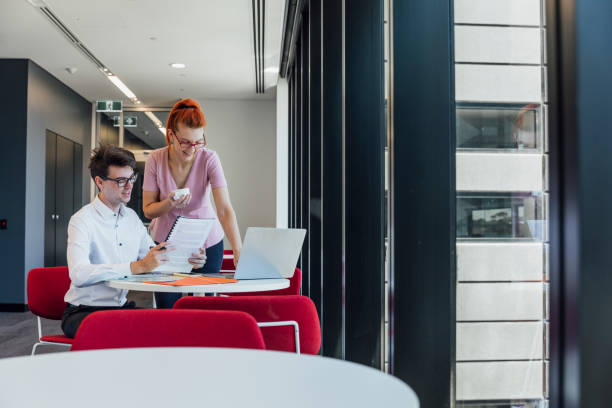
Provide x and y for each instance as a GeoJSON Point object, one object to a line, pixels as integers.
{"type": "Point", "coordinates": [196, 280]}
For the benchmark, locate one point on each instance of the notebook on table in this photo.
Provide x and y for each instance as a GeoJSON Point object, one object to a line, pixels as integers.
{"type": "Point", "coordinates": [268, 253]}
{"type": "Point", "coordinates": [187, 236]}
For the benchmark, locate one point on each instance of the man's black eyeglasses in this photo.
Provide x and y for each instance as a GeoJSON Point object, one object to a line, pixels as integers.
{"type": "Point", "coordinates": [122, 181]}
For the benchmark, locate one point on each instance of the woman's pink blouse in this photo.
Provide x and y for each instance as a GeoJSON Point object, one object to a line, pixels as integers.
{"type": "Point", "coordinates": [205, 174]}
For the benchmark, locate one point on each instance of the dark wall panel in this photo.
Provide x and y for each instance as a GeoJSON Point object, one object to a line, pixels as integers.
{"type": "Point", "coordinates": [305, 150]}
{"type": "Point", "coordinates": [423, 207]}
{"type": "Point", "coordinates": [331, 197]}
{"type": "Point", "coordinates": [364, 179]}
{"type": "Point", "coordinates": [13, 111]}
{"type": "Point", "coordinates": [314, 229]}
{"type": "Point", "coordinates": [580, 84]}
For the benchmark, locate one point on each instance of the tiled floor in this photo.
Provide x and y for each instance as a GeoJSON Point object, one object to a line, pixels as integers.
{"type": "Point", "coordinates": [18, 331]}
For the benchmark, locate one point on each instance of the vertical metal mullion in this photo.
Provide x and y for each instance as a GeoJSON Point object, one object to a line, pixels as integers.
{"type": "Point", "coordinates": [424, 202]}
{"type": "Point", "coordinates": [305, 152]}
{"type": "Point", "coordinates": [363, 186]}
{"type": "Point", "coordinates": [314, 154]}
{"type": "Point", "coordinates": [290, 147]}
{"type": "Point", "coordinates": [331, 178]}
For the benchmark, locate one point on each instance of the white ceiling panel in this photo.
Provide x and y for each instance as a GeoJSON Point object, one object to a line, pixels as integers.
{"type": "Point", "coordinates": [138, 39]}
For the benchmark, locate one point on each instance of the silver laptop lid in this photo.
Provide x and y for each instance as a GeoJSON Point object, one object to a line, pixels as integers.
{"type": "Point", "coordinates": [269, 253]}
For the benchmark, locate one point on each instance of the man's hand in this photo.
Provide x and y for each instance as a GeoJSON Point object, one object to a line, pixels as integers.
{"type": "Point", "coordinates": [155, 257]}
{"type": "Point", "coordinates": [198, 260]}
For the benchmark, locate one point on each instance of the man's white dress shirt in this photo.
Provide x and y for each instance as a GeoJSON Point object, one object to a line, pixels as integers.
{"type": "Point", "coordinates": [101, 246]}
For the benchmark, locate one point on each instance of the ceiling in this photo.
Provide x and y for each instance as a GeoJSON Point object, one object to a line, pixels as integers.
{"type": "Point", "coordinates": [138, 39]}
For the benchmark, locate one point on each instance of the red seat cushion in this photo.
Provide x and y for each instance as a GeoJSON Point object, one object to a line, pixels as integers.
{"type": "Point", "coordinates": [168, 328]}
{"type": "Point", "coordinates": [270, 309]}
{"type": "Point", "coordinates": [58, 338]}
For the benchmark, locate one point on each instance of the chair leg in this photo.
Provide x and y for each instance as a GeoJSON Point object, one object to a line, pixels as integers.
{"type": "Point", "coordinates": [45, 343]}
{"type": "Point", "coordinates": [34, 348]}
{"type": "Point", "coordinates": [296, 330]}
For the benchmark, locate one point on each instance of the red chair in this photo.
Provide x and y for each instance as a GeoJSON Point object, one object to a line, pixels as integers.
{"type": "Point", "coordinates": [295, 288]}
{"type": "Point", "coordinates": [228, 260]}
{"type": "Point", "coordinates": [168, 328]}
{"type": "Point", "coordinates": [288, 323]}
{"type": "Point", "coordinates": [46, 288]}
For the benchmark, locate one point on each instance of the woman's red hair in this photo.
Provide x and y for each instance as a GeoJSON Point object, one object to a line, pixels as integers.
{"type": "Point", "coordinates": [188, 113]}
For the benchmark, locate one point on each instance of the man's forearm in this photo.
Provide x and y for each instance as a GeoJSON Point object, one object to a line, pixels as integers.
{"type": "Point", "coordinates": [138, 267]}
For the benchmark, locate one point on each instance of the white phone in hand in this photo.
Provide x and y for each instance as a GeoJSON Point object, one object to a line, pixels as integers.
{"type": "Point", "coordinates": [180, 193]}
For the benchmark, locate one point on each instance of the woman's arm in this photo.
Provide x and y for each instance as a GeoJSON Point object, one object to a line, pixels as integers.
{"type": "Point", "coordinates": [227, 217]}
{"type": "Point", "coordinates": [153, 208]}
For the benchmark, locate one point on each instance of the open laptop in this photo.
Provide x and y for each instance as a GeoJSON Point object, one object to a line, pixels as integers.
{"type": "Point", "coordinates": [269, 253]}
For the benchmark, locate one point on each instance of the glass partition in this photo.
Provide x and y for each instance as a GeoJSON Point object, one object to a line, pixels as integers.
{"type": "Point", "coordinates": [142, 130]}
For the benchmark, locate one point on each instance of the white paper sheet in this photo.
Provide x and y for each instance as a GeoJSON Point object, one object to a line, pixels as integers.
{"type": "Point", "coordinates": [187, 237]}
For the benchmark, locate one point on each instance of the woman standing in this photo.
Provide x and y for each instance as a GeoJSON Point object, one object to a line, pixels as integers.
{"type": "Point", "coordinates": [187, 163]}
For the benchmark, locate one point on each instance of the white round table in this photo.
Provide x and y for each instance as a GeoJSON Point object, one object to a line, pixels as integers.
{"type": "Point", "coordinates": [195, 377]}
{"type": "Point", "coordinates": [255, 285]}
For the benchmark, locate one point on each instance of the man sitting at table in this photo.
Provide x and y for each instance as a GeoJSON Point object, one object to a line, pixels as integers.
{"type": "Point", "coordinates": [107, 240]}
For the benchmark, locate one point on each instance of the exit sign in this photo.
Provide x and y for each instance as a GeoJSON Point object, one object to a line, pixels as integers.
{"type": "Point", "coordinates": [109, 106]}
{"type": "Point", "coordinates": [128, 121]}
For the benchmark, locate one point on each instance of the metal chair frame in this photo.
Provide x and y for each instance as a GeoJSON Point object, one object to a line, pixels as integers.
{"type": "Point", "coordinates": [296, 330]}
{"type": "Point", "coordinates": [43, 342]}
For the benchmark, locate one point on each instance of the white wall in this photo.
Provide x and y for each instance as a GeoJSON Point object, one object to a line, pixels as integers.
{"type": "Point", "coordinates": [243, 133]}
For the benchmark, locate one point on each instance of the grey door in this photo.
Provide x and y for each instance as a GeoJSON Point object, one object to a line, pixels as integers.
{"type": "Point", "coordinates": [63, 194]}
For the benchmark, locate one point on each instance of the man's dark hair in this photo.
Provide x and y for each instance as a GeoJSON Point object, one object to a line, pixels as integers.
{"type": "Point", "coordinates": [109, 155]}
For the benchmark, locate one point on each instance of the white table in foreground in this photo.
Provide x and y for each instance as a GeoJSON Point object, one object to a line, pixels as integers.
{"type": "Point", "coordinates": [159, 377]}
{"type": "Point", "coordinates": [255, 285]}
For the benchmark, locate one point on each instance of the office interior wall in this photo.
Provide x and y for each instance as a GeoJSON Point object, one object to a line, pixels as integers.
{"type": "Point", "coordinates": [54, 106]}
{"type": "Point", "coordinates": [243, 133]}
{"type": "Point", "coordinates": [13, 111]}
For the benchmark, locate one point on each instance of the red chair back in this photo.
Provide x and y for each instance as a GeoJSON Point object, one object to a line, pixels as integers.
{"type": "Point", "coordinates": [227, 264]}
{"type": "Point", "coordinates": [46, 288]}
{"type": "Point", "coordinates": [295, 288]}
{"type": "Point", "coordinates": [167, 328]}
{"type": "Point", "coordinates": [270, 309]}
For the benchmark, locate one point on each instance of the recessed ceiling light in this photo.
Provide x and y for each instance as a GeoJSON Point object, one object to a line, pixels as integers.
{"type": "Point", "coordinates": [177, 65]}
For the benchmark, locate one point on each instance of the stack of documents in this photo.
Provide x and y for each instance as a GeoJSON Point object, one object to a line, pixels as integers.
{"type": "Point", "coordinates": [187, 236]}
{"type": "Point", "coordinates": [195, 281]}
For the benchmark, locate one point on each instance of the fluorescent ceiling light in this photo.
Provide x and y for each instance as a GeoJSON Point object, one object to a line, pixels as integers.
{"type": "Point", "coordinates": [177, 65]}
{"type": "Point", "coordinates": [156, 122]}
{"type": "Point", "coordinates": [122, 87]}
{"type": "Point", "coordinates": [272, 70]}
{"type": "Point", "coordinates": [154, 119]}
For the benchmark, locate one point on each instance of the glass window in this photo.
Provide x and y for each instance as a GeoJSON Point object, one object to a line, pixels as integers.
{"type": "Point", "coordinates": [500, 71]}
{"type": "Point", "coordinates": [500, 216]}
{"type": "Point", "coordinates": [499, 127]}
